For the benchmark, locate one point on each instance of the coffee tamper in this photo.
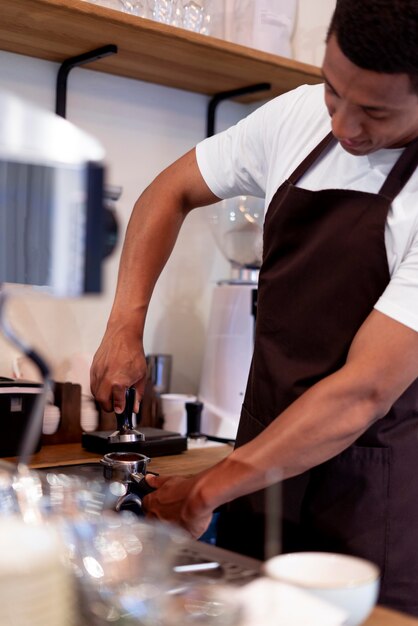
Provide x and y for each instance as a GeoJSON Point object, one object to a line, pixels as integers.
{"type": "Point", "coordinates": [126, 432]}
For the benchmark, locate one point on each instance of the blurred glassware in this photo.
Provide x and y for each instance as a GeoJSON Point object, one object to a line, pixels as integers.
{"type": "Point", "coordinates": [120, 564]}
{"type": "Point", "coordinates": [203, 604]}
{"type": "Point", "coordinates": [141, 8]}
{"type": "Point", "coordinates": [163, 11]}
{"type": "Point", "coordinates": [123, 566]}
{"type": "Point", "coordinates": [237, 225]}
{"type": "Point", "coordinates": [194, 15]}
{"type": "Point", "coordinates": [110, 4]}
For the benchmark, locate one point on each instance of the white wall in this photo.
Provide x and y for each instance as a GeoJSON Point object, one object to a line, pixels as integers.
{"type": "Point", "coordinates": [143, 127]}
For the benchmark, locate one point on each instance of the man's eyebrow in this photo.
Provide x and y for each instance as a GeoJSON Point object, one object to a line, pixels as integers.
{"type": "Point", "coordinates": [328, 82]}
{"type": "Point", "coordinates": [366, 107]}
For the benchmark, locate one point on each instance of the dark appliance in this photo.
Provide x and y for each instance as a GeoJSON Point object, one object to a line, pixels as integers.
{"type": "Point", "coordinates": [17, 399]}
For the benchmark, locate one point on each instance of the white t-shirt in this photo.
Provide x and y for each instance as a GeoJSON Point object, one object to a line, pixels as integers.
{"type": "Point", "coordinates": [255, 156]}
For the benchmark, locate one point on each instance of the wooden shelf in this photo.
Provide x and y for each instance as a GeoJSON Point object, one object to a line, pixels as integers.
{"type": "Point", "coordinates": [58, 29]}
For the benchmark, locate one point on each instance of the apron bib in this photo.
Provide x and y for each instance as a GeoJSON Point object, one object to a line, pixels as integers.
{"type": "Point", "coordinates": [324, 267]}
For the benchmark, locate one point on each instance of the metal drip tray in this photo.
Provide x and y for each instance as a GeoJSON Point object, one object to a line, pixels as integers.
{"type": "Point", "coordinates": [195, 559]}
{"type": "Point", "coordinates": [199, 560]}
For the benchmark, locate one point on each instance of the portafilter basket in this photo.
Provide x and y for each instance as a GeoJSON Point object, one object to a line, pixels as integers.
{"type": "Point", "coordinates": [122, 466]}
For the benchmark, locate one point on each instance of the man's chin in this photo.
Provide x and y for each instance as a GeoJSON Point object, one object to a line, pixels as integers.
{"type": "Point", "coordinates": [359, 149]}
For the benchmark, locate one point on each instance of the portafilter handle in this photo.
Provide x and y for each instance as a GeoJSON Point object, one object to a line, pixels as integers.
{"type": "Point", "coordinates": [139, 484]}
{"type": "Point", "coordinates": [137, 489]}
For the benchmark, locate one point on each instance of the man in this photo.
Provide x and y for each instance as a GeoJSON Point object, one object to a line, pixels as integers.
{"type": "Point", "coordinates": [332, 397]}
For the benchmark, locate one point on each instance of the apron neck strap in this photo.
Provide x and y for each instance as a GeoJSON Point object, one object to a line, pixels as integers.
{"type": "Point", "coordinates": [399, 175]}
{"type": "Point", "coordinates": [401, 172]}
{"type": "Point", "coordinates": [310, 159]}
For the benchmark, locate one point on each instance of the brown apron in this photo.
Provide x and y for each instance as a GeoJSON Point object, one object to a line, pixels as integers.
{"type": "Point", "coordinates": [324, 267]}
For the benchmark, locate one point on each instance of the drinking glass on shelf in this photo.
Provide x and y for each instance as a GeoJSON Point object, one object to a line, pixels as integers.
{"type": "Point", "coordinates": [163, 11]}
{"type": "Point", "coordinates": [194, 14]}
{"type": "Point", "coordinates": [140, 8]}
{"type": "Point", "coordinates": [110, 4]}
{"type": "Point", "coordinates": [134, 7]}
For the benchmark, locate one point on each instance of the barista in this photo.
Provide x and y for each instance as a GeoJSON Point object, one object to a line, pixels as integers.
{"type": "Point", "coordinates": [332, 396]}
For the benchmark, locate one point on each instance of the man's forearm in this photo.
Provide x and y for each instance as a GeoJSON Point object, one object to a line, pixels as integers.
{"type": "Point", "coordinates": [317, 426]}
{"type": "Point", "coordinates": [326, 419]}
{"type": "Point", "coordinates": [150, 238]}
{"type": "Point", "coordinates": [151, 235]}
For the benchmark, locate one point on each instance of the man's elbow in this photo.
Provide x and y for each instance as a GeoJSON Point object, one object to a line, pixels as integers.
{"type": "Point", "coordinates": [377, 401]}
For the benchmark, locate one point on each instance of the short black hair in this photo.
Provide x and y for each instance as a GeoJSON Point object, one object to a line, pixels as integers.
{"type": "Point", "coordinates": [379, 35]}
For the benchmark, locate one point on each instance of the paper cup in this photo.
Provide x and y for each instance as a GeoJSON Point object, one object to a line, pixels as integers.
{"type": "Point", "coordinates": [173, 406]}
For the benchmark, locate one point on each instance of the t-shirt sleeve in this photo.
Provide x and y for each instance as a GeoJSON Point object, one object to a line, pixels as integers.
{"type": "Point", "coordinates": [237, 160]}
{"type": "Point", "coordinates": [252, 157]}
{"type": "Point", "coordinates": [233, 161]}
{"type": "Point", "coordinates": [400, 298]}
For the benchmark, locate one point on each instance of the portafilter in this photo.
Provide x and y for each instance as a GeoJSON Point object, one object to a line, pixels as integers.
{"type": "Point", "coordinates": [129, 470]}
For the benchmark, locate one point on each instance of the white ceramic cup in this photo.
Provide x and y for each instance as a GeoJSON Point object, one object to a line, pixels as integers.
{"type": "Point", "coordinates": [173, 406]}
{"type": "Point", "coordinates": [345, 581]}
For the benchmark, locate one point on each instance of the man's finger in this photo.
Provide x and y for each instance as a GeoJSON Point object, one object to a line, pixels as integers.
{"type": "Point", "coordinates": [118, 395]}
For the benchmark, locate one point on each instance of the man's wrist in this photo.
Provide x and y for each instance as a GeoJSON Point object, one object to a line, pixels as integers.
{"type": "Point", "coordinates": [211, 488]}
{"type": "Point", "coordinates": [131, 324]}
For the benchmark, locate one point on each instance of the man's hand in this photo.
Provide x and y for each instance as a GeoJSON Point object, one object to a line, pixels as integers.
{"type": "Point", "coordinates": [177, 500]}
{"type": "Point", "coordinates": [119, 363]}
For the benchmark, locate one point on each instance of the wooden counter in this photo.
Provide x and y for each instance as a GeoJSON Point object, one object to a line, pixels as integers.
{"type": "Point", "coordinates": [384, 617]}
{"type": "Point", "coordinates": [189, 462]}
{"type": "Point", "coordinates": [183, 464]}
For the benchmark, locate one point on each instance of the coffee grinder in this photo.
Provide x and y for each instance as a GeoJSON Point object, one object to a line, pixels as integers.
{"type": "Point", "coordinates": [237, 226]}
{"type": "Point", "coordinates": [148, 440]}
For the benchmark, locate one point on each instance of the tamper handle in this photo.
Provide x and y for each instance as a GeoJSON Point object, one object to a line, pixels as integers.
{"type": "Point", "coordinates": [124, 419]}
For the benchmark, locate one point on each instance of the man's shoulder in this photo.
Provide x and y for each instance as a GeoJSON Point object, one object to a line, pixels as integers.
{"type": "Point", "coordinates": [298, 118]}
{"type": "Point", "coordinates": [300, 110]}
{"type": "Point", "coordinates": [304, 98]}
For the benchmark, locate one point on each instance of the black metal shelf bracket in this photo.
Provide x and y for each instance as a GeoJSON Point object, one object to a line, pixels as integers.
{"type": "Point", "coordinates": [67, 66]}
{"type": "Point", "coordinates": [226, 95]}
